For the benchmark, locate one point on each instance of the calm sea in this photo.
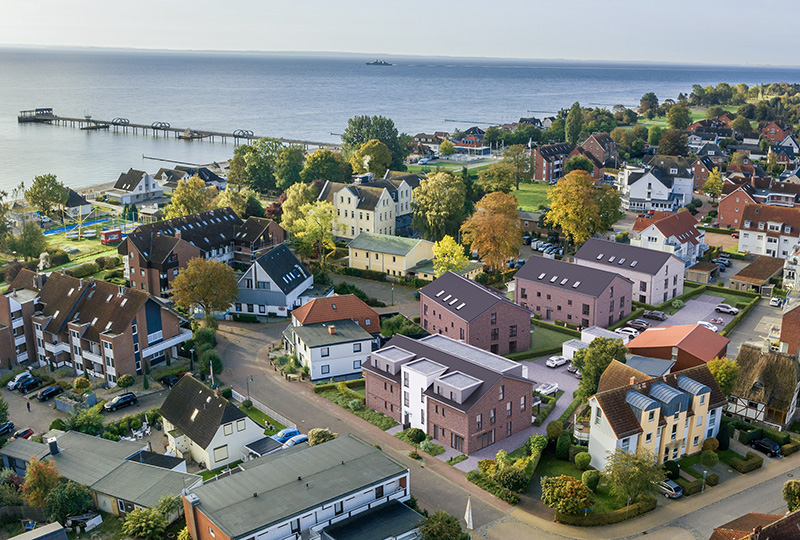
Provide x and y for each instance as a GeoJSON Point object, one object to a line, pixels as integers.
{"type": "Point", "coordinates": [293, 96]}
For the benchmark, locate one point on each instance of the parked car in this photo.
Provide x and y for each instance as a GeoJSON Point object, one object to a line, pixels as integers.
{"type": "Point", "coordinates": [6, 428]}
{"type": "Point", "coordinates": [297, 439]}
{"type": "Point", "coordinates": [556, 361]}
{"type": "Point", "coordinates": [724, 255]}
{"type": "Point", "coordinates": [735, 235]}
{"type": "Point", "coordinates": [720, 260]}
{"type": "Point", "coordinates": [544, 246]}
{"type": "Point", "coordinates": [767, 446]}
{"type": "Point", "coordinates": [712, 327]}
{"type": "Point", "coordinates": [547, 389]}
{"type": "Point", "coordinates": [14, 383]}
{"type": "Point", "coordinates": [23, 434]}
{"type": "Point", "coordinates": [526, 240]}
{"type": "Point", "coordinates": [578, 375]}
{"type": "Point", "coordinates": [49, 393]}
{"type": "Point", "coordinates": [122, 400]}
{"type": "Point", "coordinates": [776, 301]}
{"type": "Point", "coordinates": [670, 489]}
{"type": "Point", "coordinates": [423, 161]}
{"type": "Point", "coordinates": [725, 308]}
{"type": "Point", "coordinates": [558, 251]}
{"type": "Point", "coordinates": [572, 368]}
{"type": "Point", "coordinates": [168, 381]}
{"type": "Point", "coordinates": [285, 434]}
{"type": "Point", "coordinates": [627, 331]}
{"type": "Point", "coordinates": [639, 324]}
{"type": "Point", "coordinates": [655, 315]}
{"type": "Point", "coordinates": [29, 385]}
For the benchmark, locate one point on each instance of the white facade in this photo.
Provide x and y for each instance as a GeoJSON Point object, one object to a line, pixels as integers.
{"type": "Point", "coordinates": [653, 238]}
{"type": "Point", "coordinates": [227, 446]}
{"type": "Point", "coordinates": [602, 439]}
{"type": "Point", "coordinates": [759, 242]}
{"type": "Point", "coordinates": [655, 288]}
{"type": "Point", "coordinates": [647, 192]}
{"type": "Point", "coordinates": [146, 189]}
{"type": "Point", "coordinates": [417, 376]}
{"type": "Point", "coordinates": [264, 297]}
{"type": "Point", "coordinates": [332, 361]}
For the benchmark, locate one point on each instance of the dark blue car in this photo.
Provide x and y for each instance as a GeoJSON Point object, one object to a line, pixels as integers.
{"type": "Point", "coordinates": [285, 434]}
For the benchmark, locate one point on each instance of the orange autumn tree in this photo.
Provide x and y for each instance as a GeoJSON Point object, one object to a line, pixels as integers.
{"type": "Point", "coordinates": [41, 477]}
{"type": "Point", "coordinates": [494, 229]}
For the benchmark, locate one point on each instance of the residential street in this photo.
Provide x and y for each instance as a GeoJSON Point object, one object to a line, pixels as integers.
{"type": "Point", "coordinates": [245, 348]}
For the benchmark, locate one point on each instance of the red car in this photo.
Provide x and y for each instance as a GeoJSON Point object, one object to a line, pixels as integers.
{"type": "Point", "coordinates": [735, 235]}
{"type": "Point", "coordinates": [26, 433]}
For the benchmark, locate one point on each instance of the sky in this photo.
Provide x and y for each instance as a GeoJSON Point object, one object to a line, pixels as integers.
{"type": "Point", "coordinates": [683, 31]}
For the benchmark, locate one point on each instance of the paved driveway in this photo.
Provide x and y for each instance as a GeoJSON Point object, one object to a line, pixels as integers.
{"type": "Point", "coordinates": [697, 309]}
{"type": "Point", "coordinates": [755, 327]}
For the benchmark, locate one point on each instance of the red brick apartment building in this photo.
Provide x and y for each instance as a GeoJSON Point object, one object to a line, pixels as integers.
{"type": "Point", "coordinates": [549, 161]}
{"type": "Point", "coordinates": [580, 295]}
{"type": "Point", "coordinates": [462, 309]}
{"type": "Point", "coordinates": [756, 191]}
{"type": "Point", "coordinates": [463, 397]}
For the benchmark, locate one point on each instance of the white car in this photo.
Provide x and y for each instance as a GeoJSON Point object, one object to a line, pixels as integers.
{"type": "Point", "coordinates": [547, 389]}
{"type": "Point", "coordinates": [18, 379]}
{"type": "Point", "coordinates": [725, 308]}
{"type": "Point", "coordinates": [627, 331]}
{"type": "Point", "coordinates": [555, 361]}
{"type": "Point", "coordinates": [708, 325]}
{"type": "Point", "coordinates": [775, 301]}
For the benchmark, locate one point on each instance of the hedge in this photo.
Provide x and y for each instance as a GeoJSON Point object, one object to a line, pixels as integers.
{"type": "Point", "coordinates": [751, 462]}
{"type": "Point", "coordinates": [645, 504]}
{"type": "Point", "coordinates": [716, 230]}
{"type": "Point", "coordinates": [642, 305]}
{"type": "Point", "coordinates": [738, 318]}
{"type": "Point", "coordinates": [694, 290]}
{"type": "Point", "coordinates": [623, 322]}
{"type": "Point", "coordinates": [357, 272]}
{"type": "Point", "coordinates": [245, 317]}
{"type": "Point", "coordinates": [564, 418]}
{"type": "Point", "coordinates": [323, 387]}
{"type": "Point", "coordinates": [790, 448]}
{"type": "Point", "coordinates": [545, 410]}
{"type": "Point", "coordinates": [557, 328]}
{"type": "Point", "coordinates": [487, 484]}
{"type": "Point", "coordinates": [86, 269]}
{"type": "Point", "coordinates": [690, 488]}
{"type": "Point", "coordinates": [734, 292]}
{"type": "Point", "coordinates": [534, 353]}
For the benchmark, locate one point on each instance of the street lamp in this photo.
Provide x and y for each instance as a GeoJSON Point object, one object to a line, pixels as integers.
{"type": "Point", "coordinates": [249, 380]}
{"type": "Point", "coordinates": [704, 480]}
{"type": "Point", "coordinates": [191, 360]}
{"type": "Point", "coordinates": [392, 294]}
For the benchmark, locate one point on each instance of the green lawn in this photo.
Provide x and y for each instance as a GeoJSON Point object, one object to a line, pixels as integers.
{"type": "Point", "coordinates": [262, 420]}
{"type": "Point", "coordinates": [449, 166]}
{"type": "Point", "coordinates": [361, 389]}
{"type": "Point", "coordinates": [726, 456]}
{"type": "Point", "coordinates": [208, 475]}
{"type": "Point", "coordinates": [530, 196]}
{"type": "Point", "coordinates": [456, 460]}
{"type": "Point", "coordinates": [435, 450]}
{"type": "Point", "coordinates": [373, 417]}
{"type": "Point", "coordinates": [604, 500]}
{"type": "Point", "coordinates": [545, 338]}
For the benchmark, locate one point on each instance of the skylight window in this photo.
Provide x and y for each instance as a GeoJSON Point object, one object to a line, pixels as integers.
{"type": "Point", "coordinates": [124, 301]}
{"type": "Point", "coordinates": [194, 415]}
{"type": "Point", "coordinates": [622, 260]}
{"type": "Point", "coordinates": [634, 263]}
{"type": "Point", "coordinates": [94, 321]}
{"type": "Point", "coordinates": [55, 315]}
{"type": "Point", "coordinates": [541, 276]}
{"type": "Point", "coordinates": [462, 304]}
{"type": "Point", "coordinates": [453, 301]}
{"type": "Point", "coordinates": [440, 293]}
{"type": "Point", "coordinates": [599, 256]}
{"type": "Point", "coordinates": [72, 290]}
{"type": "Point", "coordinates": [611, 259]}
{"type": "Point", "coordinates": [446, 298]}
{"type": "Point", "coordinates": [108, 325]}
{"type": "Point", "coordinates": [564, 281]}
{"type": "Point", "coordinates": [110, 296]}
{"type": "Point", "coordinates": [576, 284]}
{"type": "Point", "coordinates": [553, 279]}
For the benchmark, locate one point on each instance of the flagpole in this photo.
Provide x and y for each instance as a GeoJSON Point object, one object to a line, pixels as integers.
{"type": "Point", "coordinates": [468, 516]}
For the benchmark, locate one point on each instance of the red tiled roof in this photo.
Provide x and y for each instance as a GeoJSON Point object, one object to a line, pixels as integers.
{"type": "Point", "coordinates": [643, 222]}
{"type": "Point", "coordinates": [337, 308]}
{"type": "Point", "coordinates": [694, 339]}
{"type": "Point", "coordinates": [741, 527]}
{"type": "Point", "coordinates": [762, 213]}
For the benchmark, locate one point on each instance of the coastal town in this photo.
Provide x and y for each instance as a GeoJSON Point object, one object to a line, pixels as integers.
{"type": "Point", "coordinates": [584, 325]}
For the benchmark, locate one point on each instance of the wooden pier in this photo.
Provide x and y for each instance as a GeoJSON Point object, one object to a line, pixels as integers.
{"type": "Point", "coordinates": [156, 129]}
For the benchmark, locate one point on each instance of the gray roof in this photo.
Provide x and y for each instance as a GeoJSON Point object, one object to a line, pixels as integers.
{"type": "Point", "coordinates": [385, 243]}
{"type": "Point", "coordinates": [470, 353]}
{"type": "Point", "coordinates": [692, 386]}
{"type": "Point", "coordinates": [51, 531]}
{"type": "Point", "coordinates": [327, 472]}
{"type": "Point", "coordinates": [74, 199]}
{"type": "Point", "coordinates": [640, 401]}
{"type": "Point", "coordinates": [567, 276]}
{"type": "Point", "coordinates": [608, 255]}
{"type": "Point", "coordinates": [425, 366]}
{"type": "Point", "coordinates": [129, 180]}
{"type": "Point", "coordinates": [654, 367]}
{"type": "Point", "coordinates": [318, 334]}
{"type": "Point", "coordinates": [284, 268]}
{"type": "Point", "coordinates": [464, 297]}
{"type": "Point", "coordinates": [143, 484]}
{"type": "Point", "coordinates": [389, 520]}
{"type": "Point", "coordinates": [24, 449]}
{"type": "Point", "coordinates": [458, 380]}
{"type": "Point", "coordinates": [263, 446]}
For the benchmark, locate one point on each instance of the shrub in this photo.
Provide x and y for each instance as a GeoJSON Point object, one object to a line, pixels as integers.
{"type": "Point", "coordinates": [486, 465]}
{"type": "Point", "coordinates": [712, 479]}
{"type": "Point", "coordinates": [711, 444]}
{"type": "Point", "coordinates": [415, 435]}
{"type": "Point", "coordinates": [125, 381]}
{"type": "Point", "coordinates": [136, 423]}
{"type": "Point", "coordinates": [574, 450]}
{"type": "Point", "coordinates": [562, 446]}
{"type": "Point", "coordinates": [709, 458]}
{"type": "Point", "coordinates": [591, 479]}
{"type": "Point", "coordinates": [535, 444]}
{"type": "Point", "coordinates": [482, 278]}
{"type": "Point", "coordinates": [247, 404]}
{"type": "Point", "coordinates": [356, 405]}
{"type": "Point", "coordinates": [751, 462]}
{"type": "Point", "coordinates": [484, 482]}
{"type": "Point", "coordinates": [689, 488]}
{"type": "Point", "coordinates": [672, 470]}
{"type": "Point", "coordinates": [724, 436]}
{"type": "Point", "coordinates": [320, 435]}
{"type": "Point", "coordinates": [227, 393]}
{"type": "Point", "coordinates": [110, 436]}
{"type": "Point", "coordinates": [678, 304]}
{"type": "Point", "coordinates": [413, 454]}
{"type": "Point", "coordinates": [58, 423]}
{"type": "Point", "coordinates": [791, 448]}
{"type": "Point", "coordinates": [582, 461]}
{"type": "Point", "coordinates": [512, 478]}
{"type": "Point", "coordinates": [554, 430]}
{"type": "Point", "coordinates": [645, 504]}
{"type": "Point", "coordinates": [58, 256]}
{"type": "Point", "coordinates": [86, 269]}
{"type": "Point", "coordinates": [205, 335]}
{"type": "Point", "coordinates": [426, 446]}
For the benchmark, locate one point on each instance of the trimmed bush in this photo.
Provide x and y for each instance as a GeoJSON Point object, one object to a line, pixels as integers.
{"type": "Point", "coordinates": [227, 393]}
{"type": "Point", "coordinates": [426, 446]}
{"type": "Point", "coordinates": [562, 446]}
{"type": "Point", "coordinates": [724, 436]}
{"type": "Point", "coordinates": [574, 450]}
{"type": "Point", "coordinates": [125, 381]}
{"type": "Point", "coordinates": [554, 430]}
{"type": "Point", "coordinates": [712, 479]}
{"type": "Point", "coordinates": [535, 444]}
{"type": "Point", "coordinates": [415, 435]}
{"type": "Point", "coordinates": [672, 470]}
{"type": "Point", "coordinates": [751, 462]}
{"type": "Point", "coordinates": [567, 414]}
{"type": "Point", "coordinates": [58, 423]}
{"type": "Point", "coordinates": [86, 269]}
{"type": "Point", "coordinates": [645, 504]}
{"type": "Point", "coordinates": [245, 317]}
{"type": "Point", "coordinates": [413, 454]}
{"type": "Point", "coordinates": [689, 488]}
{"type": "Point", "coordinates": [487, 484]}
{"type": "Point", "coordinates": [791, 448]}
{"type": "Point", "coordinates": [356, 405]}
{"type": "Point", "coordinates": [582, 461]}
{"type": "Point", "coordinates": [709, 458]}
{"type": "Point", "coordinates": [711, 444]}
{"type": "Point", "coordinates": [512, 478]}
{"type": "Point", "coordinates": [591, 479]}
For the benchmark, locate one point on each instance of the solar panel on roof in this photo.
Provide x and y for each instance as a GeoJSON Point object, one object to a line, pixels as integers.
{"type": "Point", "coordinates": [622, 260]}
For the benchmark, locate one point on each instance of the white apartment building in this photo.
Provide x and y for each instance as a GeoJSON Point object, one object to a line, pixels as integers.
{"type": "Point", "coordinates": [676, 234]}
{"type": "Point", "coordinates": [769, 230]}
{"type": "Point", "coordinates": [331, 350]}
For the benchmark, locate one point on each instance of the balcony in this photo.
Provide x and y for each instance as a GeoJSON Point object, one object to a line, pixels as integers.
{"type": "Point", "coordinates": [22, 357]}
{"type": "Point", "coordinates": [96, 358]}
{"type": "Point", "coordinates": [184, 335]}
{"type": "Point", "coordinates": [56, 348]}
{"type": "Point", "coordinates": [16, 323]}
{"type": "Point", "coordinates": [19, 340]}
{"type": "Point", "coordinates": [155, 336]}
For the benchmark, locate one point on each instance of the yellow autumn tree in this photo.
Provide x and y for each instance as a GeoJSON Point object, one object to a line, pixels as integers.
{"type": "Point", "coordinates": [190, 197]}
{"type": "Point", "coordinates": [580, 207]}
{"type": "Point", "coordinates": [372, 156]}
{"type": "Point", "coordinates": [494, 229]}
{"type": "Point", "coordinates": [448, 255]}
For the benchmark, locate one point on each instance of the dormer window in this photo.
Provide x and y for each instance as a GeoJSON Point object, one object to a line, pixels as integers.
{"type": "Point", "coordinates": [760, 225]}
{"type": "Point", "coordinates": [747, 224]}
{"type": "Point", "coordinates": [673, 171]}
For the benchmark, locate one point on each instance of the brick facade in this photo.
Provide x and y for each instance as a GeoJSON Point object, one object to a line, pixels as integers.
{"type": "Point", "coordinates": [549, 161]}
{"type": "Point", "coordinates": [790, 323]}
{"type": "Point", "coordinates": [383, 395]}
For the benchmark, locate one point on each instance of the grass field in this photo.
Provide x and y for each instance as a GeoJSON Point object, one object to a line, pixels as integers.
{"type": "Point", "coordinates": [530, 196]}
{"type": "Point", "coordinates": [696, 114]}
{"type": "Point", "coordinates": [544, 338]}
{"type": "Point", "coordinates": [444, 166]}
{"type": "Point", "coordinates": [262, 420]}
{"type": "Point", "coordinates": [604, 500]}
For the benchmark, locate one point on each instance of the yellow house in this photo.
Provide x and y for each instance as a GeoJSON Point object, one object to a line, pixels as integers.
{"type": "Point", "coordinates": [392, 255]}
{"type": "Point", "coordinates": [360, 208]}
{"type": "Point", "coordinates": [425, 270]}
{"type": "Point", "coordinates": [670, 415]}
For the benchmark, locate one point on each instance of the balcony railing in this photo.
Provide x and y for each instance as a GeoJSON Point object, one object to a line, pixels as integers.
{"type": "Point", "coordinates": [16, 323]}
{"type": "Point", "coordinates": [96, 358]}
{"type": "Point", "coordinates": [19, 340]}
{"type": "Point", "coordinates": [56, 348]}
{"type": "Point", "coordinates": [184, 335]}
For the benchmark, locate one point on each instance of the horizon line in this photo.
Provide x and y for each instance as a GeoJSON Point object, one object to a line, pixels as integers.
{"type": "Point", "coordinates": [397, 55]}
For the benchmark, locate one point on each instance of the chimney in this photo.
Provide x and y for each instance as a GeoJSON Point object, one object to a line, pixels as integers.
{"type": "Point", "coordinates": [121, 290]}
{"type": "Point", "coordinates": [178, 233]}
{"type": "Point", "coordinates": [53, 442]}
{"type": "Point", "coordinates": [331, 329]}
{"type": "Point", "coordinates": [633, 380]}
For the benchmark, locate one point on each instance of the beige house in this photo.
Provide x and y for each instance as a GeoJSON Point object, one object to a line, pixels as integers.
{"type": "Point", "coordinates": [360, 208]}
{"type": "Point", "coordinates": [393, 255]}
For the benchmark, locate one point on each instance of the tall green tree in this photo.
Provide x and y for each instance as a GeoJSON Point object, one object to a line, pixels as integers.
{"type": "Point", "coordinates": [30, 243]}
{"type": "Point", "coordinates": [3, 411]}
{"type": "Point", "coordinates": [372, 156]}
{"type": "Point", "coordinates": [325, 164]}
{"type": "Point", "coordinates": [574, 124]}
{"type": "Point", "coordinates": [147, 523]}
{"type": "Point", "coordinates": [297, 196]}
{"type": "Point", "coordinates": [648, 102]}
{"type": "Point", "coordinates": [253, 165]}
{"type": "Point", "coordinates": [679, 117]}
{"type": "Point", "coordinates": [447, 148]}
{"type": "Point", "coordinates": [725, 371]}
{"type": "Point", "coordinates": [713, 186]}
{"type": "Point", "coordinates": [520, 159]}
{"type": "Point", "coordinates": [361, 129]}
{"type": "Point", "coordinates": [631, 474]}
{"type": "Point", "coordinates": [791, 494]}
{"type": "Point", "coordinates": [438, 205]}
{"type": "Point", "coordinates": [288, 164]}
{"type": "Point", "coordinates": [315, 229]}
{"type": "Point", "coordinates": [46, 193]}
{"type": "Point", "coordinates": [68, 498]}
{"type": "Point", "coordinates": [448, 256]}
{"type": "Point", "coordinates": [593, 361]}
{"type": "Point", "coordinates": [578, 163]}
{"type": "Point", "coordinates": [580, 207]}
{"type": "Point", "coordinates": [497, 177]}
{"type": "Point", "coordinates": [5, 229]}
{"type": "Point", "coordinates": [243, 201]}
{"type": "Point", "coordinates": [673, 142]}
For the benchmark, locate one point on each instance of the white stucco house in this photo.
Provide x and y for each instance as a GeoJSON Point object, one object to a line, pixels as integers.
{"type": "Point", "coordinates": [205, 426]}
{"type": "Point", "coordinates": [134, 187]}
{"type": "Point", "coordinates": [651, 188]}
{"type": "Point", "coordinates": [769, 230]}
{"type": "Point", "coordinates": [676, 234]}
{"type": "Point", "coordinates": [331, 350]}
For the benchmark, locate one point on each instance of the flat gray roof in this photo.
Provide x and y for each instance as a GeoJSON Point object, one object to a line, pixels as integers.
{"type": "Point", "coordinates": [394, 353]}
{"type": "Point", "coordinates": [470, 353]}
{"type": "Point", "coordinates": [318, 334]}
{"type": "Point", "coordinates": [388, 520]}
{"type": "Point", "coordinates": [655, 367]}
{"type": "Point", "coordinates": [425, 366]}
{"type": "Point", "coordinates": [288, 484]}
{"type": "Point", "coordinates": [459, 380]}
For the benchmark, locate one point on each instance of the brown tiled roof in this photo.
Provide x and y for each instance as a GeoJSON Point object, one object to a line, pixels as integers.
{"type": "Point", "coordinates": [59, 297]}
{"type": "Point", "coordinates": [768, 378]}
{"type": "Point", "coordinates": [618, 374]}
{"type": "Point", "coordinates": [682, 226]}
{"type": "Point", "coordinates": [251, 229]}
{"type": "Point", "coordinates": [762, 213]}
{"type": "Point", "coordinates": [704, 266]}
{"type": "Point", "coordinates": [760, 270]}
{"type": "Point", "coordinates": [620, 415]}
{"type": "Point", "coordinates": [337, 308]}
{"type": "Point", "coordinates": [643, 222]}
{"type": "Point", "coordinates": [26, 279]}
{"type": "Point", "coordinates": [785, 528]}
{"type": "Point", "coordinates": [695, 339]}
{"type": "Point", "coordinates": [741, 527]}
{"type": "Point", "coordinates": [108, 308]}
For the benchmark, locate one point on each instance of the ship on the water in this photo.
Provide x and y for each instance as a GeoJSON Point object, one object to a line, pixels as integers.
{"type": "Point", "coordinates": [379, 63]}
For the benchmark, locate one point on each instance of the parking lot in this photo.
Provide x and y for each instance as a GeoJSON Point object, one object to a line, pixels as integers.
{"type": "Point", "coordinates": [697, 309]}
